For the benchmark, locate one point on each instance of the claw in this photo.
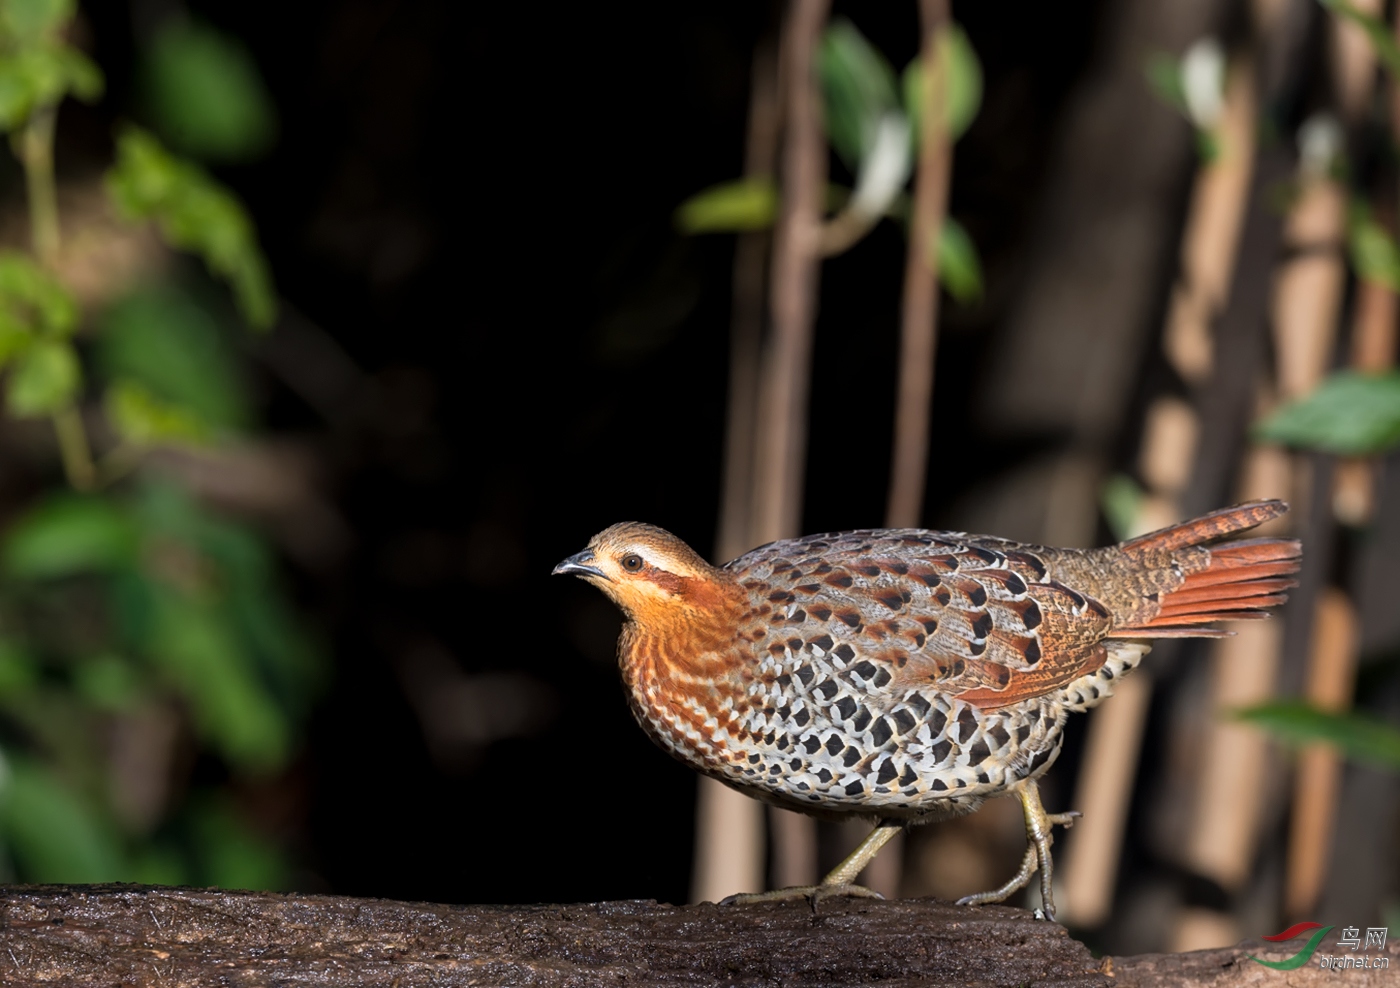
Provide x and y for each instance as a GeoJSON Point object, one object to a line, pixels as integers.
{"type": "Point", "coordinates": [816, 893]}
{"type": "Point", "coordinates": [839, 882]}
{"type": "Point", "coordinates": [854, 891]}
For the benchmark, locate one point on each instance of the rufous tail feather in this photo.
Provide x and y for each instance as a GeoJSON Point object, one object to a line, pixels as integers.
{"type": "Point", "coordinates": [1242, 579]}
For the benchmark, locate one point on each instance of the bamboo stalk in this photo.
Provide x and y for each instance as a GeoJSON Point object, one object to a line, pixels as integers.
{"type": "Point", "coordinates": [1103, 795]}
{"type": "Point", "coordinates": [918, 346]}
{"type": "Point", "coordinates": [785, 372]}
{"type": "Point", "coordinates": [1229, 802]}
{"type": "Point", "coordinates": [729, 831]}
{"type": "Point", "coordinates": [1218, 202]}
{"type": "Point", "coordinates": [1305, 307]}
{"type": "Point", "coordinates": [786, 367]}
{"type": "Point", "coordinates": [919, 330]}
{"type": "Point", "coordinates": [1331, 676]}
{"type": "Point", "coordinates": [1215, 220]}
{"type": "Point", "coordinates": [1335, 641]}
{"type": "Point", "coordinates": [1373, 334]}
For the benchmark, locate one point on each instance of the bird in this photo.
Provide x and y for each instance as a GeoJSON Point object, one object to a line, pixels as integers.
{"type": "Point", "coordinates": [907, 675]}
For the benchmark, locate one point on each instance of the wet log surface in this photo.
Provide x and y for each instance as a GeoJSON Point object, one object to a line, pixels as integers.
{"type": "Point", "coordinates": [135, 935]}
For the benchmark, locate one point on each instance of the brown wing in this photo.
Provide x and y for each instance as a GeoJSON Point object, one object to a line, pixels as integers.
{"type": "Point", "coordinates": [976, 619]}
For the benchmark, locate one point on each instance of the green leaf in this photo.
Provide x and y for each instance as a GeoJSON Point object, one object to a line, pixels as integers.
{"type": "Point", "coordinates": [193, 213]}
{"type": "Point", "coordinates": [1359, 737]}
{"type": "Point", "coordinates": [964, 86]}
{"type": "Point", "coordinates": [82, 76]}
{"type": "Point", "coordinates": [1121, 500]}
{"type": "Point", "coordinates": [731, 207]}
{"type": "Point", "coordinates": [171, 362]}
{"type": "Point", "coordinates": [15, 336]}
{"type": "Point", "coordinates": [858, 87]}
{"type": "Point", "coordinates": [1164, 79]}
{"type": "Point", "coordinates": [41, 76]}
{"type": "Point", "coordinates": [204, 94]}
{"type": "Point", "coordinates": [68, 534]}
{"type": "Point", "coordinates": [964, 82]}
{"type": "Point", "coordinates": [27, 22]}
{"type": "Point", "coordinates": [959, 268]}
{"type": "Point", "coordinates": [1377, 31]}
{"type": "Point", "coordinates": [141, 418]}
{"type": "Point", "coordinates": [55, 835]}
{"type": "Point", "coordinates": [45, 379]}
{"type": "Point", "coordinates": [16, 96]}
{"type": "Point", "coordinates": [32, 299]}
{"type": "Point", "coordinates": [1374, 254]}
{"type": "Point", "coordinates": [1350, 413]}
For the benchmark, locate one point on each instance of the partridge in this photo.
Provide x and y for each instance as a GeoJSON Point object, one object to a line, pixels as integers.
{"type": "Point", "coordinates": [908, 675]}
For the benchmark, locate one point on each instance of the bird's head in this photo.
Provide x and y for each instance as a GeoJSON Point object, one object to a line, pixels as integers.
{"type": "Point", "coordinates": [648, 572]}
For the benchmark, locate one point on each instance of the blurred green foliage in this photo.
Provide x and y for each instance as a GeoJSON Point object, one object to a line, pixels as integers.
{"type": "Point", "coordinates": [202, 90]}
{"type": "Point", "coordinates": [730, 207]}
{"type": "Point", "coordinates": [1167, 77]}
{"type": "Point", "coordinates": [1120, 499]}
{"type": "Point", "coordinates": [1355, 735]}
{"type": "Point", "coordinates": [37, 65]}
{"type": "Point", "coordinates": [127, 608]}
{"type": "Point", "coordinates": [964, 83]}
{"type": "Point", "coordinates": [1377, 31]}
{"type": "Point", "coordinates": [165, 341]}
{"type": "Point", "coordinates": [37, 317]}
{"type": "Point", "coordinates": [1163, 73]}
{"type": "Point", "coordinates": [959, 267]}
{"type": "Point", "coordinates": [858, 90]}
{"type": "Point", "coordinates": [1372, 250]}
{"type": "Point", "coordinates": [1350, 413]}
{"type": "Point", "coordinates": [193, 213]}
{"type": "Point", "coordinates": [863, 104]}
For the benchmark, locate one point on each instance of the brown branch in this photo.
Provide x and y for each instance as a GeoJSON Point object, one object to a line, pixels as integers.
{"type": "Point", "coordinates": [782, 436]}
{"type": "Point", "coordinates": [919, 333]}
{"type": "Point", "coordinates": [79, 936]}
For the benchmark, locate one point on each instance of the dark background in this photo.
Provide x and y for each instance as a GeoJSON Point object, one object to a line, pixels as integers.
{"type": "Point", "coordinates": [495, 344]}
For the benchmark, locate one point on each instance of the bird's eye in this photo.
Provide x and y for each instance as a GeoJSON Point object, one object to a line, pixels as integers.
{"type": "Point", "coordinates": [632, 563]}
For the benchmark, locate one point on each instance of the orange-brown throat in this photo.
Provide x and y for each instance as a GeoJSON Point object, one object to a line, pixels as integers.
{"type": "Point", "coordinates": [687, 633]}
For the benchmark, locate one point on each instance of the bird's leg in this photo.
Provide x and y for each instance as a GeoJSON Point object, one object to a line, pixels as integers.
{"type": "Point", "coordinates": [1038, 841]}
{"type": "Point", "coordinates": [841, 878]}
{"type": "Point", "coordinates": [839, 881]}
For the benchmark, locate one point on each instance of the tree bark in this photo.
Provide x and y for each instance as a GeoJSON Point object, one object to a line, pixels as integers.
{"type": "Point", "coordinates": [78, 936]}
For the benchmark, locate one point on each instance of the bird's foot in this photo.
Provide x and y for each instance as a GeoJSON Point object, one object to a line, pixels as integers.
{"type": "Point", "coordinates": [814, 893]}
{"type": "Point", "coordinates": [1029, 864]}
{"type": "Point", "coordinates": [1037, 856]}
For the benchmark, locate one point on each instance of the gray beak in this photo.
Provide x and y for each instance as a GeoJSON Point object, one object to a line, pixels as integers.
{"type": "Point", "coordinates": [578, 564]}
